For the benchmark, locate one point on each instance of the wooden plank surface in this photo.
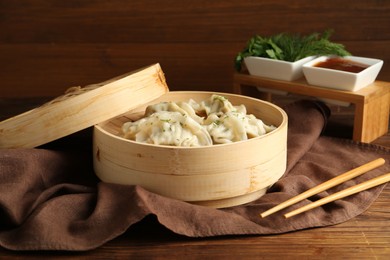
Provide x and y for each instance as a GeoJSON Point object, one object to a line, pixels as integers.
{"type": "Point", "coordinates": [48, 46]}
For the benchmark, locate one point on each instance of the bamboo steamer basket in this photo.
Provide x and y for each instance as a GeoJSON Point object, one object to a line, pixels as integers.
{"type": "Point", "coordinates": [82, 107]}
{"type": "Point", "coordinates": [218, 176]}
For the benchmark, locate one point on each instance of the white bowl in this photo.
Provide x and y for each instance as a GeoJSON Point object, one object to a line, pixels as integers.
{"type": "Point", "coordinates": [275, 69]}
{"type": "Point", "coordinates": [342, 80]}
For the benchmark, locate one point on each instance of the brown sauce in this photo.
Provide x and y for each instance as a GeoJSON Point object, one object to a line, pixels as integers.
{"type": "Point", "coordinates": [341, 64]}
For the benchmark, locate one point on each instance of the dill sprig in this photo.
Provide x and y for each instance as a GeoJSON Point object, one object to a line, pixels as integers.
{"type": "Point", "coordinates": [290, 47]}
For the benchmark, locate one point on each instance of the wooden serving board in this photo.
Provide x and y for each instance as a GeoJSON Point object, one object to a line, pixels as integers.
{"type": "Point", "coordinates": [371, 103]}
{"type": "Point", "coordinates": [80, 108]}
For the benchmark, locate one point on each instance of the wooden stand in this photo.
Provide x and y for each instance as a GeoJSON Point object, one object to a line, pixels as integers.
{"type": "Point", "coordinates": [372, 103]}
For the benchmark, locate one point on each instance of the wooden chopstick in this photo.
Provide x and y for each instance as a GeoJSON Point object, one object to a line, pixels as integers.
{"type": "Point", "coordinates": [326, 185]}
{"type": "Point", "coordinates": [342, 194]}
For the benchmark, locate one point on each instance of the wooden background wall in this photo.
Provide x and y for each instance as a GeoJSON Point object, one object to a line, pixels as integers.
{"type": "Point", "coordinates": [49, 45]}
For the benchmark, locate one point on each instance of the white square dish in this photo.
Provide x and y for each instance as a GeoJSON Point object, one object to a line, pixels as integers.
{"type": "Point", "coordinates": [275, 69]}
{"type": "Point", "coordinates": [339, 79]}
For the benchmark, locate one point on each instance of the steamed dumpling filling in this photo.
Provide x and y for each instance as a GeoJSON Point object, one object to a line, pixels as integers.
{"type": "Point", "coordinates": [192, 124]}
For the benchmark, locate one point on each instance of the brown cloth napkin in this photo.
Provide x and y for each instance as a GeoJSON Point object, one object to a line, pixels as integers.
{"type": "Point", "coordinates": [50, 198]}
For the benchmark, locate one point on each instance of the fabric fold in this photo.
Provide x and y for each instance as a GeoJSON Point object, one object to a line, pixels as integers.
{"type": "Point", "coordinates": [50, 198]}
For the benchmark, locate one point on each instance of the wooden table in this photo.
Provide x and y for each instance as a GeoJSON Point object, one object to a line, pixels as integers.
{"type": "Point", "coordinates": [365, 237]}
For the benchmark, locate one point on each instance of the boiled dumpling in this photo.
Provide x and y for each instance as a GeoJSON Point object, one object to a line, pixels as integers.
{"type": "Point", "coordinates": [191, 124]}
{"type": "Point", "coordinates": [227, 128]}
{"type": "Point", "coordinates": [219, 104]}
{"type": "Point", "coordinates": [182, 107]}
{"type": "Point", "coordinates": [167, 128]}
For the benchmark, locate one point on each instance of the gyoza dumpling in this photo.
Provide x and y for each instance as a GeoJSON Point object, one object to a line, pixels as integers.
{"type": "Point", "coordinates": [162, 106]}
{"type": "Point", "coordinates": [182, 107]}
{"type": "Point", "coordinates": [167, 128]}
{"type": "Point", "coordinates": [256, 127]}
{"type": "Point", "coordinates": [219, 104]}
{"type": "Point", "coordinates": [234, 126]}
{"type": "Point", "coordinates": [227, 128]}
{"type": "Point", "coordinates": [214, 120]}
{"type": "Point", "coordinates": [188, 107]}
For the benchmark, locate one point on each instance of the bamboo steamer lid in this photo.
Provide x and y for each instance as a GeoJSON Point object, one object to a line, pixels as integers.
{"type": "Point", "coordinates": [219, 176]}
{"type": "Point", "coordinates": [81, 108]}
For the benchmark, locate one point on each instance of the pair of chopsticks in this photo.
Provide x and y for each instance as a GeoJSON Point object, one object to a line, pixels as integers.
{"type": "Point", "coordinates": [331, 183]}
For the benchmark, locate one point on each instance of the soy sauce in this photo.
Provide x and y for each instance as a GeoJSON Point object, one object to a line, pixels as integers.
{"type": "Point", "coordinates": [341, 64]}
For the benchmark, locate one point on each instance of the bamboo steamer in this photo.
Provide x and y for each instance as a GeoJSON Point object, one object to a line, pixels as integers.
{"type": "Point", "coordinates": [218, 176]}
{"type": "Point", "coordinates": [80, 108]}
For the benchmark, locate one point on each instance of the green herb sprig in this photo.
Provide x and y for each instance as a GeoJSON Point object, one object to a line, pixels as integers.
{"type": "Point", "coordinates": [290, 47]}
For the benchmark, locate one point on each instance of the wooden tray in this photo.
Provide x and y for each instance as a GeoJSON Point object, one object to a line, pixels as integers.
{"type": "Point", "coordinates": [372, 103]}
